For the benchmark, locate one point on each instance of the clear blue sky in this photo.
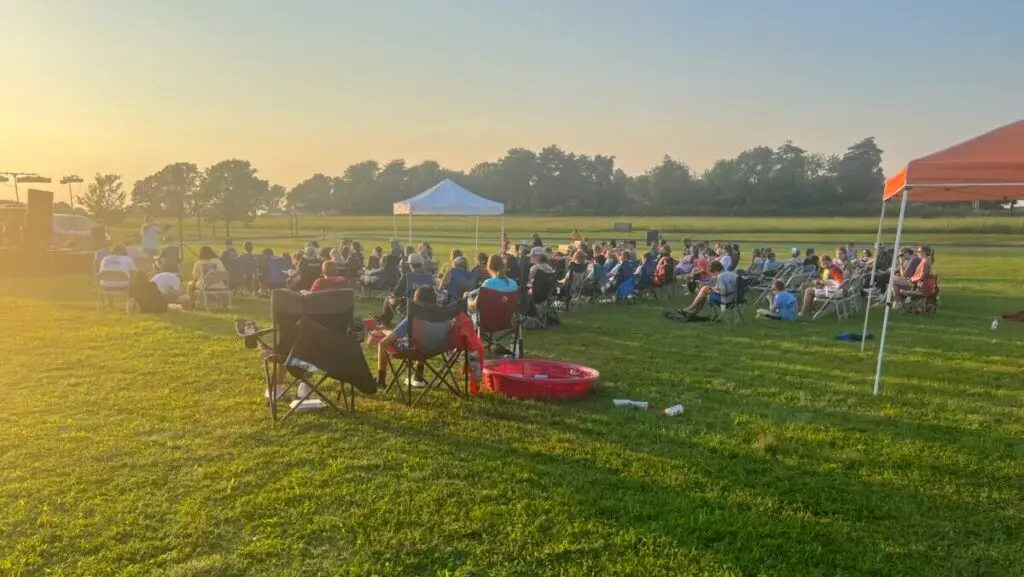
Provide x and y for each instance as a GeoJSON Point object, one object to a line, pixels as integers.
{"type": "Point", "coordinates": [312, 86]}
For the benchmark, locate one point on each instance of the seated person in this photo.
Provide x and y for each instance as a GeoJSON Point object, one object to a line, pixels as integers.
{"type": "Point", "coordinates": [768, 262]}
{"type": "Point", "coordinates": [376, 259]}
{"type": "Point", "coordinates": [757, 260]}
{"type": "Point", "coordinates": [442, 275]}
{"type": "Point", "coordinates": [512, 267]}
{"type": "Point", "coordinates": [794, 258]}
{"type": "Point", "coordinates": [331, 278]}
{"type": "Point", "coordinates": [811, 262]}
{"type": "Point", "coordinates": [169, 260]}
{"type": "Point", "coordinates": [274, 270]}
{"type": "Point", "coordinates": [457, 281]}
{"type": "Point", "coordinates": [783, 307]}
{"type": "Point", "coordinates": [117, 260]}
{"type": "Point", "coordinates": [401, 290]}
{"type": "Point", "coordinates": [917, 279]}
{"type": "Point", "coordinates": [248, 265]}
{"type": "Point", "coordinates": [497, 280]}
{"type": "Point", "coordinates": [722, 292]}
{"type": "Point", "coordinates": [908, 266]}
{"type": "Point", "coordinates": [399, 337]}
{"type": "Point", "coordinates": [481, 268]}
{"type": "Point", "coordinates": [832, 278]}
{"type": "Point", "coordinates": [144, 296]}
{"type": "Point", "coordinates": [538, 262]}
{"type": "Point", "coordinates": [207, 263]}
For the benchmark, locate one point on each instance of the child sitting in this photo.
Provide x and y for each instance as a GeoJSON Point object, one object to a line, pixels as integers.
{"type": "Point", "coordinates": [783, 307]}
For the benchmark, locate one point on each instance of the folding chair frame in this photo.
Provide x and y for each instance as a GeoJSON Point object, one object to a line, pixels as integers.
{"type": "Point", "coordinates": [271, 365]}
{"type": "Point", "coordinates": [403, 365]}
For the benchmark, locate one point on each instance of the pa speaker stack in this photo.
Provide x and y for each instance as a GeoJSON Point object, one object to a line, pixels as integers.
{"type": "Point", "coordinates": [38, 230]}
{"type": "Point", "coordinates": [653, 236]}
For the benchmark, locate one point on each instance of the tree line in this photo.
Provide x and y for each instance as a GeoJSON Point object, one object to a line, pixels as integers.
{"type": "Point", "coordinates": [762, 181]}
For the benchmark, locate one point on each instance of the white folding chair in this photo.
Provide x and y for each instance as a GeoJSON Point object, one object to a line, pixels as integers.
{"type": "Point", "coordinates": [215, 284]}
{"type": "Point", "coordinates": [117, 283]}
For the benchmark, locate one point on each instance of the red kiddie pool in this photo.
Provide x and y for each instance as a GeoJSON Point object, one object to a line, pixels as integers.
{"type": "Point", "coordinates": [539, 379]}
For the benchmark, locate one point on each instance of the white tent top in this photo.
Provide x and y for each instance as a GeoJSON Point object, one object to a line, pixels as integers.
{"type": "Point", "coordinates": [449, 199]}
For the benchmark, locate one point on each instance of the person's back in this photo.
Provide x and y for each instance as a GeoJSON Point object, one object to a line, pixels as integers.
{"type": "Point", "coordinates": [118, 261]}
{"type": "Point", "coordinates": [204, 267]}
{"type": "Point", "coordinates": [786, 305]}
{"type": "Point", "coordinates": [98, 257]}
{"type": "Point", "coordinates": [726, 285]}
{"type": "Point", "coordinates": [168, 283]}
{"type": "Point", "coordinates": [505, 285]}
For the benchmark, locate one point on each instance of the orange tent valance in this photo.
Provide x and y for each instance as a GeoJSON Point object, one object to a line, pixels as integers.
{"type": "Point", "coordinates": [986, 167]}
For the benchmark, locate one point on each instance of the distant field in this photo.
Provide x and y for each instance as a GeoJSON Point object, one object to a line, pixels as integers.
{"type": "Point", "coordinates": [1001, 230]}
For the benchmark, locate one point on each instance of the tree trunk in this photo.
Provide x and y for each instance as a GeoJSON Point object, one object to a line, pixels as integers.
{"type": "Point", "coordinates": [227, 229]}
{"type": "Point", "coordinates": [199, 225]}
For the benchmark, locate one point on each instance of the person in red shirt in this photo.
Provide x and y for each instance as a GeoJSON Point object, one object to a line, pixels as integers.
{"type": "Point", "coordinates": [331, 278]}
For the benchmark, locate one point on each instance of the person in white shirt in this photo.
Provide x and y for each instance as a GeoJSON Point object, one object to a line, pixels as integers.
{"type": "Point", "coordinates": [794, 258]}
{"type": "Point", "coordinates": [170, 286]}
{"type": "Point", "coordinates": [151, 234]}
{"type": "Point", "coordinates": [724, 257]}
{"type": "Point", "coordinates": [117, 260]}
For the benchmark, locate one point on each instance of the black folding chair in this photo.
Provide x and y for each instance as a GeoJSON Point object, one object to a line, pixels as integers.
{"type": "Point", "coordinates": [311, 338]}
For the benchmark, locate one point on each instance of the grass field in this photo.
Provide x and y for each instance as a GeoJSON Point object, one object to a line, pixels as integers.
{"type": "Point", "coordinates": [981, 230]}
{"type": "Point", "coordinates": [141, 446]}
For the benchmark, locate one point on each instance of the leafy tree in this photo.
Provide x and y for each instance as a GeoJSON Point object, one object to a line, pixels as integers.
{"type": "Point", "coordinates": [234, 193]}
{"type": "Point", "coordinates": [172, 191]}
{"type": "Point", "coordinates": [312, 195]}
{"type": "Point", "coordinates": [104, 200]}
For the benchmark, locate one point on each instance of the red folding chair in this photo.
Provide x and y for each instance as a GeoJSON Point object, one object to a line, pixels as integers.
{"type": "Point", "coordinates": [432, 338]}
{"type": "Point", "coordinates": [498, 321]}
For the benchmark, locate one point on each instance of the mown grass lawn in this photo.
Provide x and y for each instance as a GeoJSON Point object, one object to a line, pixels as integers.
{"type": "Point", "coordinates": [141, 446]}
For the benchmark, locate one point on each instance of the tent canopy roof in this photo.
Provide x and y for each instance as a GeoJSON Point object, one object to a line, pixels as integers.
{"type": "Point", "coordinates": [986, 167]}
{"type": "Point", "coordinates": [449, 199]}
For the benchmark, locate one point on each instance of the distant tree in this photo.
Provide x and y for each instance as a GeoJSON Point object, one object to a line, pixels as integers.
{"type": "Point", "coordinates": [173, 191]}
{"type": "Point", "coordinates": [312, 195]}
{"type": "Point", "coordinates": [234, 192]}
{"type": "Point", "coordinates": [105, 199]}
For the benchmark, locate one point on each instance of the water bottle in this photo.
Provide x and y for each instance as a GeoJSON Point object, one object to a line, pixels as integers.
{"type": "Point", "coordinates": [995, 323]}
{"type": "Point", "coordinates": [674, 410]}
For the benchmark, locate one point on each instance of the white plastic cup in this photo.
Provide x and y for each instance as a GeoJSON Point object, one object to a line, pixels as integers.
{"type": "Point", "coordinates": [640, 404]}
{"type": "Point", "coordinates": [995, 323]}
{"type": "Point", "coordinates": [622, 402]}
{"type": "Point", "coordinates": [674, 410]}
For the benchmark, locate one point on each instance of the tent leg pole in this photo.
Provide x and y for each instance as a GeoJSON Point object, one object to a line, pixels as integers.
{"type": "Point", "coordinates": [871, 279]}
{"type": "Point", "coordinates": [410, 229]}
{"type": "Point", "coordinates": [476, 239]}
{"type": "Point", "coordinates": [502, 240]}
{"type": "Point", "coordinates": [394, 225]}
{"type": "Point", "coordinates": [889, 292]}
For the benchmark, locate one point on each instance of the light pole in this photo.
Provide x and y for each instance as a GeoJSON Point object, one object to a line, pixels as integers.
{"type": "Point", "coordinates": [26, 177]}
{"type": "Point", "coordinates": [69, 180]}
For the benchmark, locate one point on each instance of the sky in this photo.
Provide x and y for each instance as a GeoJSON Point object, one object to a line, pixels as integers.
{"type": "Point", "coordinates": [309, 86]}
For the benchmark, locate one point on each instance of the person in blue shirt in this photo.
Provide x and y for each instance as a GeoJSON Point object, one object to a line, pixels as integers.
{"type": "Point", "coordinates": [784, 305]}
{"type": "Point", "coordinates": [498, 281]}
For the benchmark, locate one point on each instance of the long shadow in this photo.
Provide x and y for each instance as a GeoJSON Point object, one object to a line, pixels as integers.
{"type": "Point", "coordinates": [722, 509]}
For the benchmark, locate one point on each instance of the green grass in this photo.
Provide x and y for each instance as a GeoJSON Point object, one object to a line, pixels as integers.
{"type": "Point", "coordinates": [1001, 230]}
{"type": "Point", "coordinates": [141, 446]}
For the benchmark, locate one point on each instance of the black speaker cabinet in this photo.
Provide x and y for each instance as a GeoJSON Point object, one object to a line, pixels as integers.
{"type": "Point", "coordinates": [38, 230]}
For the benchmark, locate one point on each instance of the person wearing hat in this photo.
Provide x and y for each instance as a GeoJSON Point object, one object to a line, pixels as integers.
{"type": "Point", "coordinates": [539, 263]}
{"type": "Point", "coordinates": [401, 290]}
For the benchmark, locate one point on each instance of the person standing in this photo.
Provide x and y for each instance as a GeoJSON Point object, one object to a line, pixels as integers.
{"type": "Point", "coordinates": [151, 234]}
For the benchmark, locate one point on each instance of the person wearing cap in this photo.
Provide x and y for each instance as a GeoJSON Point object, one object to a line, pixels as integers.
{"type": "Point", "coordinates": [918, 268]}
{"type": "Point", "coordinates": [539, 263]}
{"type": "Point", "coordinates": [401, 290]}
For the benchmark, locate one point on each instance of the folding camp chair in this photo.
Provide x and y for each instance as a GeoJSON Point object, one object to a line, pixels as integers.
{"type": "Point", "coordinates": [645, 280]}
{"type": "Point", "coordinates": [924, 299]}
{"type": "Point", "coordinates": [311, 338]}
{"type": "Point", "coordinates": [430, 345]}
{"type": "Point", "coordinates": [117, 282]}
{"type": "Point", "coordinates": [833, 302]}
{"type": "Point", "coordinates": [215, 284]}
{"type": "Point", "coordinates": [665, 280]}
{"type": "Point", "coordinates": [574, 290]}
{"type": "Point", "coordinates": [732, 308]}
{"type": "Point", "coordinates": [498, 320]}
{"type": "Point", "coordinates": [542, 293]}
{"type": "Point", "coordinates": [764, 283]}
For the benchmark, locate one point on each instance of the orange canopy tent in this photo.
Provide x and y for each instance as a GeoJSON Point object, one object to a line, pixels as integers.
{"type": "Point", "coordinates": [986, 167]}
